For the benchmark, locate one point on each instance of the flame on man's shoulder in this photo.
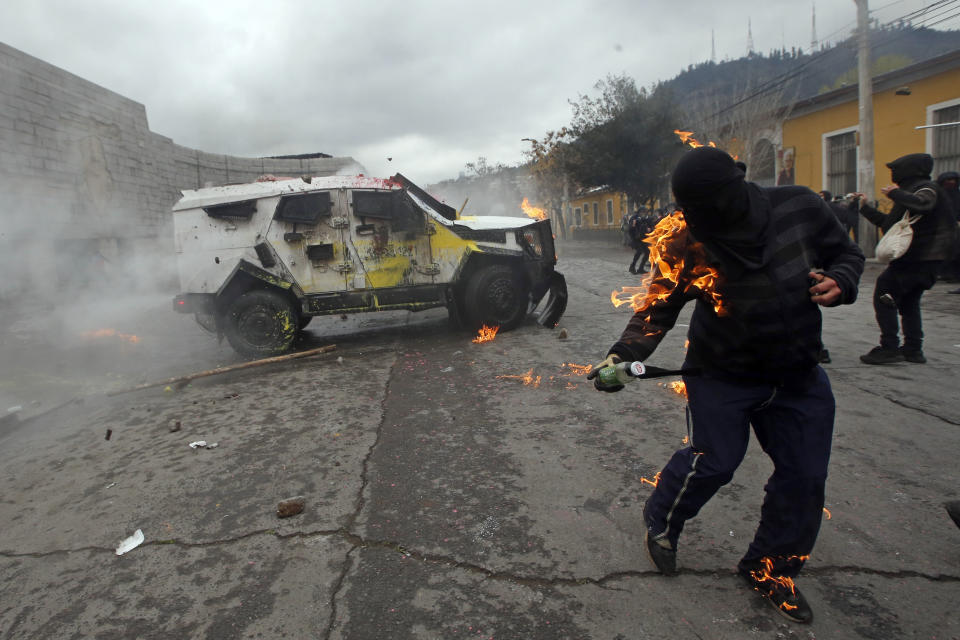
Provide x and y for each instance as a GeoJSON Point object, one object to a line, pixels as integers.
{"type": "Point", "coordinates": [676, 260]}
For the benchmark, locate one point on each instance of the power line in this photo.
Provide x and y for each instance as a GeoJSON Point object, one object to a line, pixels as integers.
{"type": "Point", "coordinates": [782, 79]}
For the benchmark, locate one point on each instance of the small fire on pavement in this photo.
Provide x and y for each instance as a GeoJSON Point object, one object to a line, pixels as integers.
{"type": "Point", "coordinates": [110, 333]}
{"type": "Point", "coordinates": [533, 212]}
{"type": "Point", "coordinates": [576, 370]}
{"type": "Point", "coordinates": [528, 379]}
{"type": "Point", "coordinates": [486, 334]}
{"type": "Point", "coordinates": [827, 513]}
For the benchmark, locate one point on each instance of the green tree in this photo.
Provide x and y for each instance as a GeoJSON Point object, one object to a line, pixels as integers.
{"type": "Point", "coordinates": [624, 139]}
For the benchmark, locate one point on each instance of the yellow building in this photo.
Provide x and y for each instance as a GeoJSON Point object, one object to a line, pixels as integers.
{"type": "Point", "coordinates": [595, 211]}
{"type": "Point", "coordinates": [820, 142]}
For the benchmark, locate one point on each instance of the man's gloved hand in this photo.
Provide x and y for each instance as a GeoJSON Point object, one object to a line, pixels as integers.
{"type": "Point", "coordinates": [611, 360]}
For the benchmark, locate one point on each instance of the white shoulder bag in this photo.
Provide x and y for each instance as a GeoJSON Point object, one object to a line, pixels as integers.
{"type": "Point", "coordinates": [896, 240]}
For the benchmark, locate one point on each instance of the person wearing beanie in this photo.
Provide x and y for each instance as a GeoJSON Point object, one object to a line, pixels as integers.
{"type": "Point", "coordinates": [902, 284]}
{"type": "Point", "coordinates": [781, 254]}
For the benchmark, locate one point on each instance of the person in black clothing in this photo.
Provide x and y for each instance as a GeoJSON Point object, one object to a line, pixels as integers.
{"type": "Point", "coordinates": [846, 212]}
{"type": "Point", "coordinates": [951, 267]}
{"type": "Point", "coordinates": [639, 226]}
{"type": "Point", "coordinates": [901, 285]}
{"type": "Point", "coordinates": [757, 356]}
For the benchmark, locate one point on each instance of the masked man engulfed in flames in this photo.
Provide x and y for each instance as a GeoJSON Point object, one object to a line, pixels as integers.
{"type": "Point", "coordinates": [755, 338]}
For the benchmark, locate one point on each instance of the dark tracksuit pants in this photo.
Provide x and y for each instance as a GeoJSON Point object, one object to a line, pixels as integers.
{"type": "Point", "coordinates": [794, 427]}
{"type": "Point", "coordinates": [906, 284]}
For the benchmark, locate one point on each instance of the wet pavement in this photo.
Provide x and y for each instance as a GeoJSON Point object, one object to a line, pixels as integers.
{"type": "Point", "coordinates": [444, 497]}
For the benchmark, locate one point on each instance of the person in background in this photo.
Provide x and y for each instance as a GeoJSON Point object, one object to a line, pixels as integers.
{"type": "Point", "coordinates": [641, 223]}
{"type": "Point", "coordinates": [951, 267]}
{"type": "Point", "coordinates": [846, 212]}
{"type": "Point", "coordinates": [901, 285]}
{"type": "Point", "coordinates": [757, 357]}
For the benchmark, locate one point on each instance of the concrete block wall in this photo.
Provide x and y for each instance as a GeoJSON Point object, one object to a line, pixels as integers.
{"type": "Point", "coordinates": [79, 165]}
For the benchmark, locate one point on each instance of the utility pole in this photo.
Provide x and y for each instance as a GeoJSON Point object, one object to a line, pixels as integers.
{"type": "Point", "coordinates": [865, 170]}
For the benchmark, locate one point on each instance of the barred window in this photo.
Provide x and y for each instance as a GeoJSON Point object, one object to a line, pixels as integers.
{"type": "Point", "coordinates": [609, 211]}
{"type": "Point", "coordinates": [841, 155]}
{"type": "Point", "coordinates": [946, 139]}
{"type": "Point", "coordinates": [596, 214]}
{"type": "Point", "coordinates": [578, 220]}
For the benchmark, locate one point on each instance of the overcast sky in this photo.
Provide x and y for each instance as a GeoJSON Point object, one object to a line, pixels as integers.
{"type": "Point", "coordinates": [431, 84]}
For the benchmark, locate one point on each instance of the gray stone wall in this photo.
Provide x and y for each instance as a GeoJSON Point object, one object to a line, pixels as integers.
{"type": "Point", "coordinates": [86, 187]}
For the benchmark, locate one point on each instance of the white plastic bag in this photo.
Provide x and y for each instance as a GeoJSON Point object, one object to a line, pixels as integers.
{"type": "Point", "coordinates": [896, 240]}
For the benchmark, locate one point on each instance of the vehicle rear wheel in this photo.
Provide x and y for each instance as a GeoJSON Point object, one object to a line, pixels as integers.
{"type": "Point", "coordinates": [496, 296]}
{"type": "Point", "coordinates": [261, 323]}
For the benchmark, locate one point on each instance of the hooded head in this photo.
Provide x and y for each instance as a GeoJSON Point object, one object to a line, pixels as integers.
{"type": "Point", "coordinates": [710, 188]}
{"type": "Point", "coordinates": [913, 166]}
{"type": "Point", "coordinates": [826, 195]}
{"type": "Point", "coordinates": [945, 178]}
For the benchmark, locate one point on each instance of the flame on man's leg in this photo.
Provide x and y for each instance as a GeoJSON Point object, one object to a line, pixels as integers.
{"type": "Point", "coordinates": [765, 579]}
{"type": "Point", "coordinates": [652, 483]}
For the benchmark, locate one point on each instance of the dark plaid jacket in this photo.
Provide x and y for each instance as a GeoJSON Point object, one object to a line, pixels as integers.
{"type": "Point", "coordinates": [770, 329]}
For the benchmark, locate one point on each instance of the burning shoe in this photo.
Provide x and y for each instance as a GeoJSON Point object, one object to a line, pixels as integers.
{"type": "Point", "coordinates": [780, 591]}
{"type": "Point", "coordinates": [664, 558]}
{"type": "Point", "coordinates": [913, 355]}
{"type": "Point", "coordinates": [882, 355]}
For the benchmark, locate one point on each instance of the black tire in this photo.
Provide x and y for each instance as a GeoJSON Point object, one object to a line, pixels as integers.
{"type": "Point", "coordinates": [496, 296]}
{"type": "Point", "coordinates": [261, 323]}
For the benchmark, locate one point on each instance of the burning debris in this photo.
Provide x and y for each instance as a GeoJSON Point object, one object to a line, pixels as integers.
{"type": "Point", "coordinates": [827, 513]}
{"type": "Point", "coordinates": [533, 212]}
{"type": "Point", "coordinates": [486, 334]}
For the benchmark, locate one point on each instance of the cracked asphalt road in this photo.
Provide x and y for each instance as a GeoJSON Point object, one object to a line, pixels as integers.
{"type": "Point", "coordinates": [444, 500]}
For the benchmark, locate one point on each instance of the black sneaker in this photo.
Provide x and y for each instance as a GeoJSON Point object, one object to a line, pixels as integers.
{"type": "Point", "coordinates": [782, 594]}
{"type": "Point", "coordinates": [913, 355]}
{"type": "Point", "coordinates": [663, 558]}
{"type": "Point", "coordinates": [882, 355]}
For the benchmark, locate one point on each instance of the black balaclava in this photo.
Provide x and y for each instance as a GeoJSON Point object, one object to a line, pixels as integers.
{"type": "Point", "coordinates": [911, 168]}
{"type": "Point", "coordinates": [720, 208]}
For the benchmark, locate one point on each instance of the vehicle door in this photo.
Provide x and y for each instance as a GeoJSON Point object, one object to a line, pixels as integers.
{"type": "Point", "coordinates": [391, 240]}
{"type": "Point", "coordinates": [310, 233]}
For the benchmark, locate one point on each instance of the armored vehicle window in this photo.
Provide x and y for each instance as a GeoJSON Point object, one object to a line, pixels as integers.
{"type": "Point", "coordinates": [395, 206]}
{"type": "Point", "coordinates": [233, 210]}
{"type": "Point", "coordinates": [306, 208]}
{"type": "Point", "coordinates": [374, 204]}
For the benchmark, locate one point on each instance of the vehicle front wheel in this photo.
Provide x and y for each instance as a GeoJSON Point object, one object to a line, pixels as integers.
{"type": "Point", "coordinates": [496, 296]}
{"type": "Point", "coordinates": [261, 323]}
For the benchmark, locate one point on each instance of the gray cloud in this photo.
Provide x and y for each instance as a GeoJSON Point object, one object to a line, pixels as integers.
{"type": "Point", "coordinates": [431, 84]}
